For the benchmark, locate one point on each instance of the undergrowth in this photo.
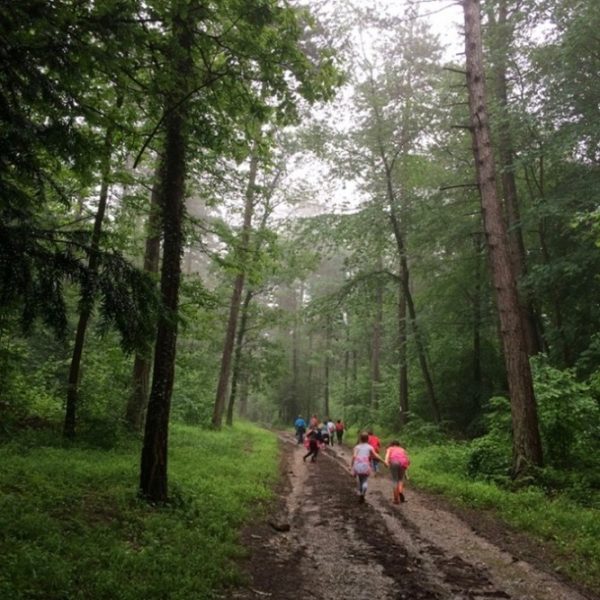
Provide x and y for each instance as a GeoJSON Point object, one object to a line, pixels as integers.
{"type": "Point", "coordinates": [71, 525]}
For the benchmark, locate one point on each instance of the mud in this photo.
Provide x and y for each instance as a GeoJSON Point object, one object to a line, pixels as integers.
{"type": "Point", "coordinates": [319, 542]}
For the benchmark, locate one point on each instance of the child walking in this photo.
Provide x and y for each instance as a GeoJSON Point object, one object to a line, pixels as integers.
{"type": "Point", "coordinates": [360, 467]}
{"type": "Point", "coordinates": [314, 437]}
{"type": "Point", "coordinates": [397, 460]}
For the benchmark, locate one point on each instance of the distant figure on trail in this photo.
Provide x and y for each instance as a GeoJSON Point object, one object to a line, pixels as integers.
{"type": "Point", "coordinates": [313, 422]}
{"type": "Point", "coordinates": [324, 429]}
{"type": "Point", "coordinates": [397, 460]}
{"type": "Point", "coordinates": [300, 425]}
{"type": "Point", "coordinates": [331, 430]}
{"type": "Point", "coordinates": [339, 430]}
{"type": "Point", "coordinates": [376, 443]}
{"type": "Point", "coordinates": [313, 436]}
{"type": "Point", "coordinates": [360, 467]}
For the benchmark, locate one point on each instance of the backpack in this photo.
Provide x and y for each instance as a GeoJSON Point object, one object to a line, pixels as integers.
{"type": "Point", "coordinates": [399, 455]}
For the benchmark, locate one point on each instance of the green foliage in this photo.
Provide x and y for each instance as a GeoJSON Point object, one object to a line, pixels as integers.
{"type": "Point", "coordinates": [71, 526]}
{"type": "Point", "coordinates": [569, 418]}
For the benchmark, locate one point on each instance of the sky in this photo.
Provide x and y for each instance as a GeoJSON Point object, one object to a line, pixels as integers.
{"type": "Point", "coordinates": [332, 194]}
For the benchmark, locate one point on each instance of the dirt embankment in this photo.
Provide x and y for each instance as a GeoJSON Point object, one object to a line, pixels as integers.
{"type": "Point", "coordinates": [320, 542]}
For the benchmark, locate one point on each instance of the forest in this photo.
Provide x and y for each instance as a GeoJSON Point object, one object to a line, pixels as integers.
{"type": "Point", "coordinates": [221, 212]}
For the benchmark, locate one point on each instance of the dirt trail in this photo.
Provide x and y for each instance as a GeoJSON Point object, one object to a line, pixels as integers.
{"type": "Point", "coordinates": [322, 543]}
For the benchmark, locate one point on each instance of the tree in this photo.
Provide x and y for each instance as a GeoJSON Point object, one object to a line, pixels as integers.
{"type": "Point", "coordinates": [527, 450]}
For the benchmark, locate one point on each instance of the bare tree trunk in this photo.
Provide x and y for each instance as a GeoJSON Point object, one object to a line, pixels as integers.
{"type": "Point", "coordinates": [309, 378]}
{"type": "Point", "coordinates": [153, 472]}
{"type": "Point", "coordinates": [476, 300]}
{"type": "Point", "coordinates": [405, 281]}
{"type": "Point", "coordinates": [509, 185]}
{"type": "Point", "coordinates": [327, 366]}
{"type": "Point", "coordinates": [402, 358]}
{"type": "Point", "coordinates": [136, 405]}
{"type": "Point", "coordinates": [527, 449]}
{"type": "Point", "coordinates": [88, 291]}
{"type": "Point", "coordinates": [237, 360]}
{"type": "Point", "coordinates": [236, 295]}
{"type": "Point", "coordinates": [376, 344]}
{"type": "Point", "coordinates": [244, 390]}
{"type": "Point", "coordinates": [298, 304]}
{"type": "Point", "coordinates": [346, 362]}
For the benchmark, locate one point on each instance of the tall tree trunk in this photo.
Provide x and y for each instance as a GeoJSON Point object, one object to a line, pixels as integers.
{"type": "Point", "coordinates": [309, 378]}
{"type": "Point", "coordinates": [402, 357]}
{"type": "Point", "coordinates": [136, 405]}
{"type": "Point", "coordinates": [244, 390]}
{"type": "Point", "coordinates": [346, 365]}
{"type": "Point", "coordinates": [476, 300]}
{"type": "Point", "coordinates": [327, 367]}
{"type": "Point", "coordinates": [153, 471]}
{"type": "Point", "coordinates": [376, 344]}
{"type": "Point", "coordinates": [236, 295]}
{"type": "Point", "coordinates": [527, 449]}
{"type": "Point", "coordinates": [507, 179]}
{"type": "Point", "coordinates": [88, 291]}
{"type": "Point", "coordinates": [298, 304]}
{"type": "Point", "coordinates": [237, 359]}
{"type": "Point", "coordinates": [555, 294]}
{"type": "Point", "coordinates": [412, 313]}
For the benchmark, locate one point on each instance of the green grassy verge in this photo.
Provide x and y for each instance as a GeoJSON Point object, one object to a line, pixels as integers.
{"type": "Point", "coordinates": [573, 530]}
{"type": "Point", "coordinates": [72, 527]}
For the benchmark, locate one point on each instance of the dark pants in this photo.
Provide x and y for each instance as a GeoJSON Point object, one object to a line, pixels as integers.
{"type": "Point", "coordinates": [340, 435]}
{"type": "Point", "coordinates": [313, 450]}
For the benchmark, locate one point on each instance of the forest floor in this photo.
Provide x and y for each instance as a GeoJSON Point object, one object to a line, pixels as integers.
{"type": "Point", "coordinates": [319, 542]}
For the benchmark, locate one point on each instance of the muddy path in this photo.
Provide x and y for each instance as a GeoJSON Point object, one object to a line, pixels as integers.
{"type": "Point", "coordinates": [319, 542]}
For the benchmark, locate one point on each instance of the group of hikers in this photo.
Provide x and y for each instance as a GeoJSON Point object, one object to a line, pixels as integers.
{"type": "Point", "coordinates": [366, 456]}
{"type": "Point", "coordinates": [324, 432]}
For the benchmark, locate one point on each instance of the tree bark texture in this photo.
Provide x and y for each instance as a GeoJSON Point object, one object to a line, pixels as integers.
{"type": "Point", "coordinates": [376, 344]}
{"type": "Point", "coordinates": [236, 295]}
{"type": "Point", "coordinates": [402, 358]}
{"type": "Point", "coordinates": [138, 400]}
{"type": "Point", "coordinates": [327, 368]}
{"type": "Point", "coordinates": [153, 471]}
{"type": "Point", "coordinates": [476, 301]}
{"type": "Point", "coordinates": [88, 292]}
{"type": "Point", "coordinates": [405, 282]}
{"type": "Point", "coordinates": [508, 182]}
{"type": "Point", "coordinates": [527, 450]}
{"type": "Point", "coordinates": [237, 359]}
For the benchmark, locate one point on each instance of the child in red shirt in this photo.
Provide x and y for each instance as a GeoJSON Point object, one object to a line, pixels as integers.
{"type": "Point", "coordinates": [376, 443]}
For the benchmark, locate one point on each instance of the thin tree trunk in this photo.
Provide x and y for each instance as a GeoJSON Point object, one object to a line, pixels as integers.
{"type": "Point", "coordinates": [153, 471]}
{"type": "Point", "coordinates": [298, 304]}
{"type": "Point", "coordinates": [509, 185]}
{"type": "Point", "coordinates": [527, 450]}
{"type": "Point", "coordinates": [138, 400]}
{"type": "Point", "coordinates": [476, 300]}
{"type": "Point", "coordinates": [309, 378]}
{"type": "Point", "coordinates": [346, 363]}
{"type": "Point", "coordinates": [376, 344]}
{"type": "Point", "coordinates": [244, 389]}
{"type": "Point", "coordinates": [327, 367]}
{"type": "Point", "coordinates": [88, 291]}
{"type": "Point", "coordinates": [405, 282]}
{"type": "Point", "coordinates": [236, 295]}
{"type": "Point", "coordinates": [237, 359]}
{"type": "Point", "coordinates": [402, 357]}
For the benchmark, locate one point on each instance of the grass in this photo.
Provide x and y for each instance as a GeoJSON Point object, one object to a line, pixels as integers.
{"type": "Point", "coordinates": [71, 525]}
{"type": "Point", "coordinates": [573, 530]}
